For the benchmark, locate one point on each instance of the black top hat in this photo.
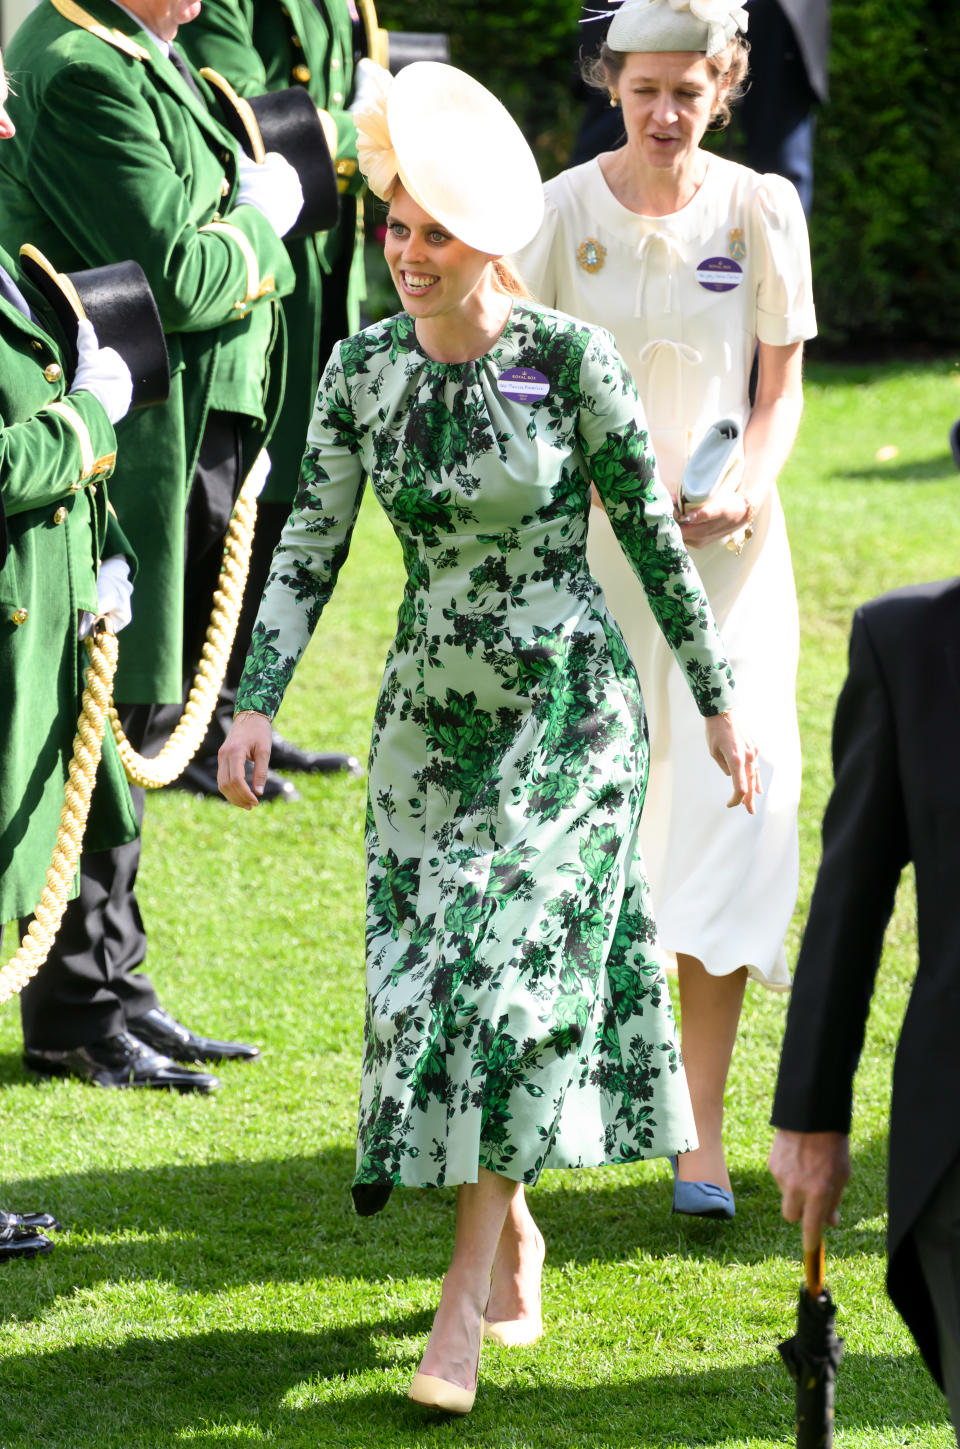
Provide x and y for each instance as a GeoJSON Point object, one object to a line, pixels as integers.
{"type": "Point", "coordinates": [118, 301]}
{"type": "Point", "coordinates": [395, 49]}
{"type": "Point", "coordinates": [285, 121]}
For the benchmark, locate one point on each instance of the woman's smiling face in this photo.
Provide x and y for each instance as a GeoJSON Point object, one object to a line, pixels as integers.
{"type": "Point", "coordinates": [433, 272]}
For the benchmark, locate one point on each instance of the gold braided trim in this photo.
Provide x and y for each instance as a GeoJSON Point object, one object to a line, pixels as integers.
{"type": "Point", "coordinates": [330, 134]}
{"type": "Point", "coordinates": [87, 746]}
{"type": "Point", "coordinates": [88, 459]}
{"type": "Point", "coordinates": [378, 40]}
{"type": "Point", "coordinates": [186, 739]}
{"type": "Point", "coordinates": [78, 16]}
{"type": "Point", "coordinates": [254, 288]}
{"type": "Point", "coordinates": [243, 108]}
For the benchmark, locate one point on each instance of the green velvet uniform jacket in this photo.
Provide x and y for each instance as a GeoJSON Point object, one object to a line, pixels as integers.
{"type": "Point", "coordinates": [116, 157]}
{"type": "Point", "coordinates": [55, 454]}
{"type": "Point", "coordinates": [268, 45]}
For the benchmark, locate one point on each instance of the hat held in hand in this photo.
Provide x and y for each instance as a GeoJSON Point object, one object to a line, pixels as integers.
{"type": "Point", "coordinates": [118, 301]}
{"type": "Point", "coordinates": [288, 122]}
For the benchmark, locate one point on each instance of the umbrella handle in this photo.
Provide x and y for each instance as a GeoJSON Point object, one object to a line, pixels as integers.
{"type": "Point", "coordinates": [813, 1263]}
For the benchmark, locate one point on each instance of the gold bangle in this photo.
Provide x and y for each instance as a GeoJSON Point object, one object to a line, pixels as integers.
{"type": "Point", "coordinates": [246, 713]}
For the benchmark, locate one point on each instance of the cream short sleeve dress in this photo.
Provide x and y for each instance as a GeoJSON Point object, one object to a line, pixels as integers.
{"type": "Point", "coordinates": [687, 297]}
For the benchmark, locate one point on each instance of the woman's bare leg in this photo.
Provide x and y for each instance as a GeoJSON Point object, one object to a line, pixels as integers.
{"type": "Point", "coordinates": [709, 1013]}
{"type": "Point", "coordinates": [517, 1266]}
{"type": "Point", "coordinates": [454, 1343]}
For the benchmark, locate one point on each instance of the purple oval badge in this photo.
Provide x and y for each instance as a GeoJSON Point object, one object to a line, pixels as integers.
{"type": "Point", "coordinates": [719, 274]}
{"type": "Point", "coordinates": [523, 384]}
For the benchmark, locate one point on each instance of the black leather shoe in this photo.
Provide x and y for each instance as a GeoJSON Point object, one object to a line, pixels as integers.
{"type": "Point", "coordinates": [159, 1030]}
{"type": "Point", "coordinates": [119, 1061]}
{"type": "Point", "coordinates": [200, 778]}
{"type": "Point", "coordinates": [36, 1222]}
{"type": "Point", "coordinates": [18, 1242]}
{"type": "Point", "coordinates": [287, 756]}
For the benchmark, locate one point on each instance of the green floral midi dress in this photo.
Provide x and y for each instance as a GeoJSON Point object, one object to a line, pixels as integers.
{"type": "Point", "coordinates": [516, 1018]}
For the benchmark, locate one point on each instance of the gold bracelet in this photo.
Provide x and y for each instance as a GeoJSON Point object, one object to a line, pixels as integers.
{"type": "Point", "coordinates": [745, 532]}
{"type": "Point", "coordinates": [246, 713]}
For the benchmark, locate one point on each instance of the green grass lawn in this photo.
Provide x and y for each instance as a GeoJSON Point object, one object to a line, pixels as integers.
{"type": "Point", "coordinates": [213, 1286]}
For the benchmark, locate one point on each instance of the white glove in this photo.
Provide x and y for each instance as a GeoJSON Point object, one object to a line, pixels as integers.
{"type": "Point", "coordinates": [369, 83]}
{"type": "Point", "coordinates": [114, 588]}
{"type": "Point", "coordinates": [256, 479]}
{"type": "Point", "coordinates": [102, 371]}
{"type": "Point", "coordinates": [273, 188]}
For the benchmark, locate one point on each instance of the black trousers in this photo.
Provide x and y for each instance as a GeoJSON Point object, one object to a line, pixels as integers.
{"type": "Point", "coordinates": [89, 987]}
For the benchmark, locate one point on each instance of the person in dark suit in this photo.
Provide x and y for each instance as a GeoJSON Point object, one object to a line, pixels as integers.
{"type": "Point", "coordinates": [893, 802]}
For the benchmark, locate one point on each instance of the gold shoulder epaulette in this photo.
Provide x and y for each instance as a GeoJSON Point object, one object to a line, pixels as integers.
{"type": "Point", "coordinates": [78, 16]}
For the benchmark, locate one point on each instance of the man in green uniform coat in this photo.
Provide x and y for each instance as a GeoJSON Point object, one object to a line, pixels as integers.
{"type": "Point", "coordinates": [265, 46]}
{"type": "Point", "coordinates": [57, 449]}
{"type": "Point", "coordinates": [118, 153]}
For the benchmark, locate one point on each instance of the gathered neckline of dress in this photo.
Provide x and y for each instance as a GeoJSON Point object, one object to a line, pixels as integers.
{"type": "Point", "coordinates": [491, 355]}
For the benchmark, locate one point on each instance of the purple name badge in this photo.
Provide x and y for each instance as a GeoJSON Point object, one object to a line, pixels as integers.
{"type": "Point", "coordinates": [719, 274]}
{"type": "Point", "coordinates": [523, 384]}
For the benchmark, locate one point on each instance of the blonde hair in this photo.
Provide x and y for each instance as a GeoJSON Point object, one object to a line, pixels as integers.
{"type": "Point", "coordinates": [729, 65]}
{"type": "Point", "coordinates": [507, 279]}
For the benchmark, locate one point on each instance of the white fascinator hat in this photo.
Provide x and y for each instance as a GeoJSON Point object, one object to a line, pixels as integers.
{"type": "Point", "coordinates": [656, 25]}
{"type": "Point", "coordinates": [457, 152]}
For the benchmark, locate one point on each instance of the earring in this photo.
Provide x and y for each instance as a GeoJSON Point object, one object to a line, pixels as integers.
{"type": "Point", "coordinates": [614, 99]}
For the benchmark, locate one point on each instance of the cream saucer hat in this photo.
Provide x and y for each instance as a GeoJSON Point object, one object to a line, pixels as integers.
{"type": "Point", "coordinates": [657, 25]}
{"type": "Point", "coordinates": [458, 153]}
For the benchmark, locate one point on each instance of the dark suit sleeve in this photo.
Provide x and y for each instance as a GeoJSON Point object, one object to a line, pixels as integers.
{"type": "Point", "coordinates": [864, 851]}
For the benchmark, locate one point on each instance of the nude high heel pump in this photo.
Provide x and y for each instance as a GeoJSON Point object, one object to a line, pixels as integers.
{"type": "Point", "coordinates": [518, 1332]}
{"type": "Point", "coordinates": [435, 1393]}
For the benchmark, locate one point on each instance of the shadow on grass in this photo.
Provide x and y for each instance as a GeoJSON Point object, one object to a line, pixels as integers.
{"type": "Point", "coordinates": [207, 1226]}
{"type": "Point", "coordinates": [931, 470]}
{"type": "Point", "coordinates": [302, 1389]}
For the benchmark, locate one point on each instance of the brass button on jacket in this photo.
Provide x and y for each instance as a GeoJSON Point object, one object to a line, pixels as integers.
{"type": "Point", "coordinates": [301, 73]}
{"type": "Point", "coordinates": [60, 515]}
{"type": "Point", "coordinates": [20, 616]}
{"type": "Point", "coordinates": [53, 372]}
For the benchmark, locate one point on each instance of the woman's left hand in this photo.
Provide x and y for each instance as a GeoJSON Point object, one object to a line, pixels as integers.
{"type": "Point", "coordinates": [726, 512]}
{"type": "Point", "coordinates": [736, 753]}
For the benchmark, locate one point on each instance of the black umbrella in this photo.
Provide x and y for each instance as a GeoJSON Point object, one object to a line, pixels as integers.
{"type": "Point", "coordinates": [811, 1357]}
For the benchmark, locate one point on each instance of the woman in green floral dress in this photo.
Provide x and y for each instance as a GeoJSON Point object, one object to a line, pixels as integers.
{"type": "Point", "coordinates": [515, 1018]}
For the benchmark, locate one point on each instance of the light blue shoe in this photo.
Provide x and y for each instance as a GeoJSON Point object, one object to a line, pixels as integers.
{"type": "Point", "coordinates": [701, 1199]}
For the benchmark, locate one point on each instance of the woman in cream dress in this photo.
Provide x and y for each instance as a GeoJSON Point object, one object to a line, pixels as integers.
{"type": "Point", "coordinates": [695, 264]}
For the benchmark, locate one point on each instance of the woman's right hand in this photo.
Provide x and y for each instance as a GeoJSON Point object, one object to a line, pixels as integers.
{"type": "Point", "coordinates": [736, 753]}
{"type": "Point", "coordinates": [250, 738]}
